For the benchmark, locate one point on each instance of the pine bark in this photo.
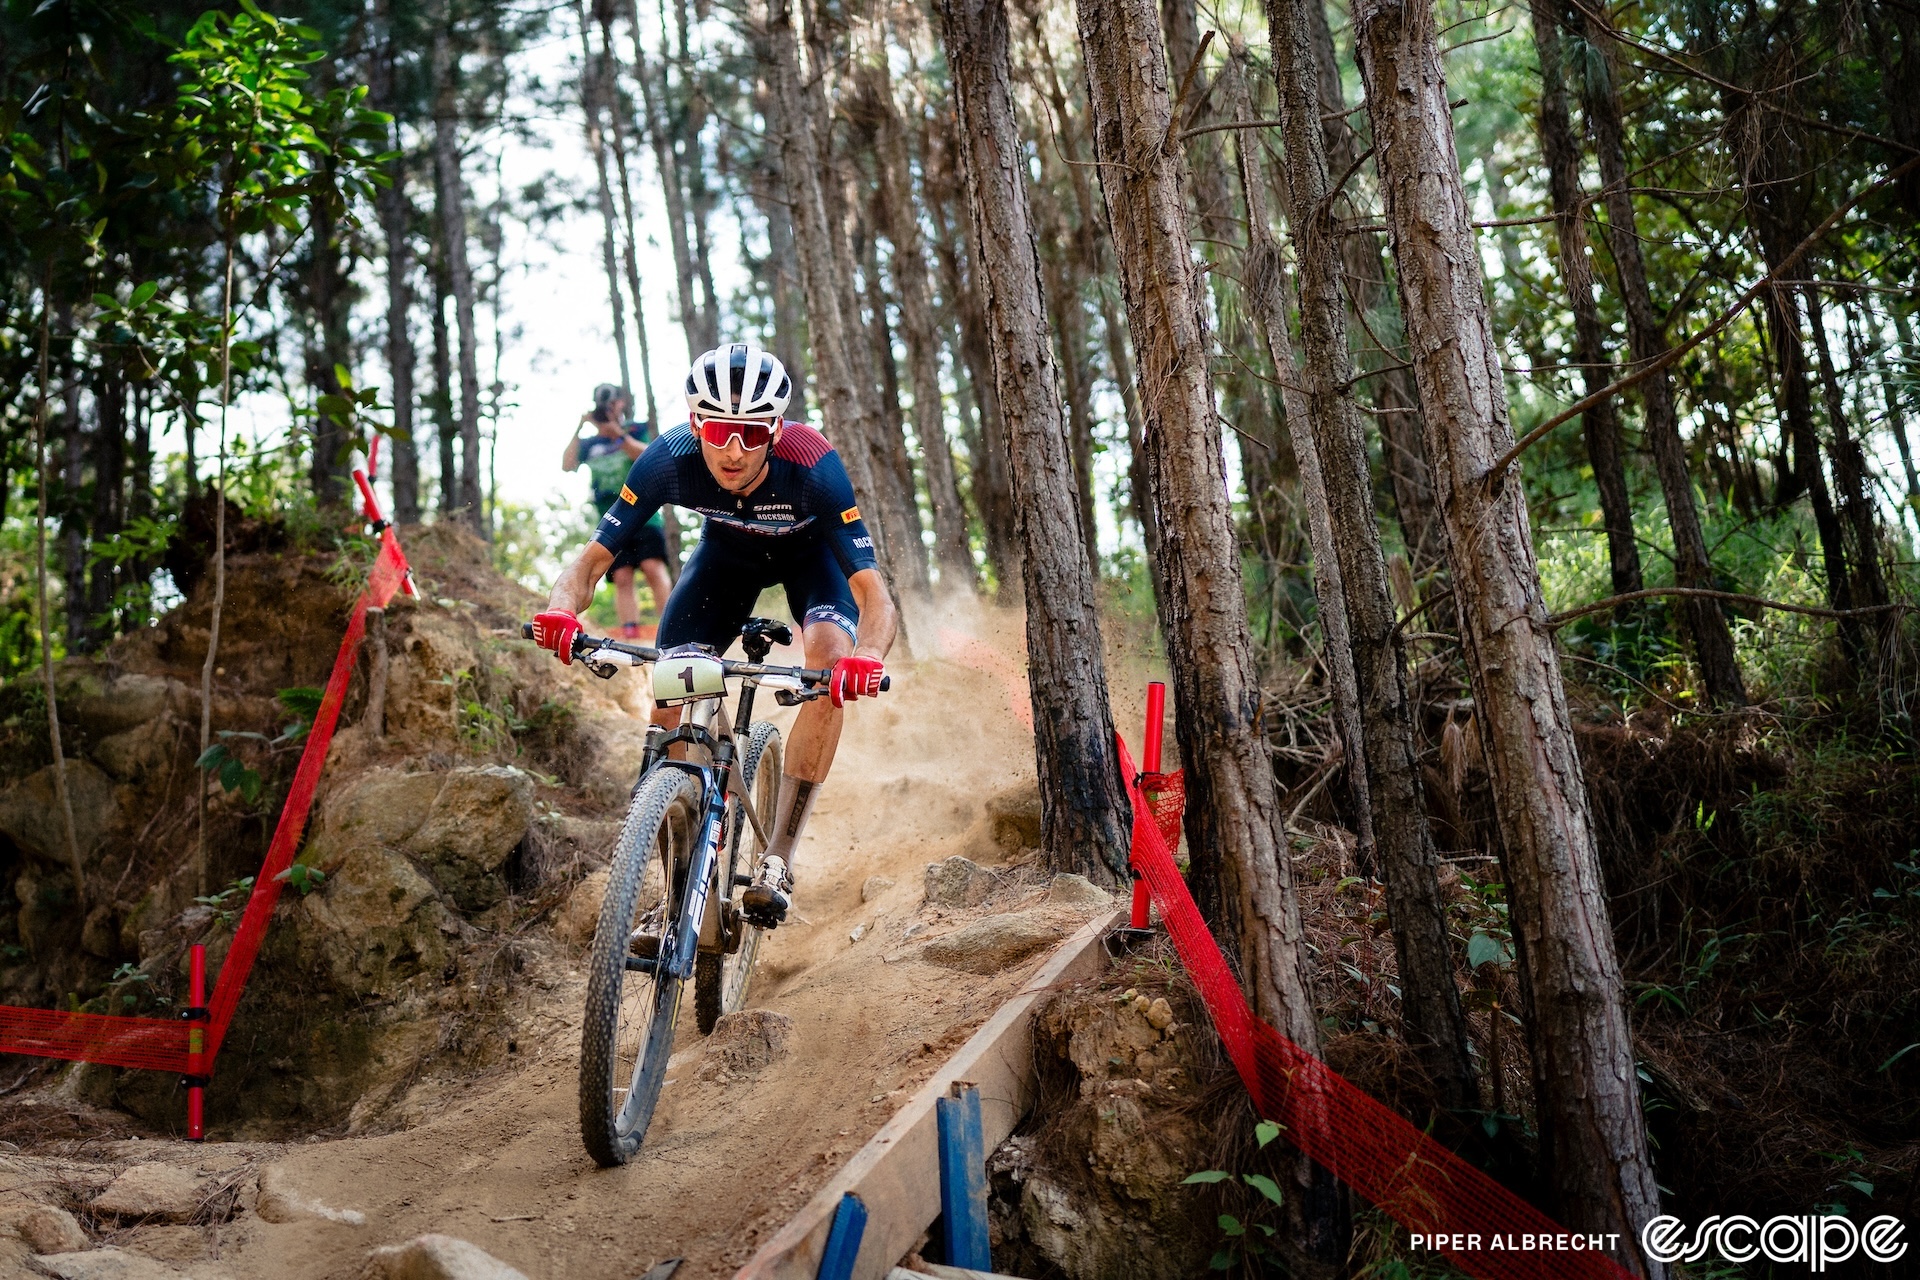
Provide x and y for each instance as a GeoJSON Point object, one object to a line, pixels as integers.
{"type": "Point", "coordinates": [846, 410]}
{"type": "Point", "coordinates": [1396, 401]}
{"type": "Point", "coordinates": [450, 197]}
{"type": "Point", "coordinates": [1600, 425]}
{"type": "Point", "coordinates": [1646, 337]}
{"type": "Point", "coordinates": [1430, 1002]}
{"type": "Point", "coordinates": [396, 217]}
{"type": "Point", "coordinates": [596, 86]}
{"type": "Point", "coordinates": [896, 218]}
{"type": "Point", "coordinates": [1849, 469]}
{"type": "Point", "coordinates": [446, 436]}
{"type": "Point", "coordinates": [700, 323]}
{"type": "Point", "coordinates": [1085, 814]}
{"type": "Point", "coordinates": [1593, 1134]}
{"type": "Point", "coordinates": [1240, 869]}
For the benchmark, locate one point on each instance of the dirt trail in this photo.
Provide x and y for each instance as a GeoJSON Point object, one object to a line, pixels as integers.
{"type": "Point", "coordinates": [498, 1160]}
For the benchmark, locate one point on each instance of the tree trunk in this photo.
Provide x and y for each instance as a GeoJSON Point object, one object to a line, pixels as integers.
{"type": "Point", "coordinates": [75, 515]}
{"type": "Point", "coordinates": [396, 216]}
{"type": "Point", "coordinates": [594, 84]}
{"type": "Point", "coordinates": [1646, 337]}
{"type": "Point", "coordinates": [960, 278]}
{"type": "Point", "coordinates": [673, 190]}
{"type": "Point", "coordinates": [1593, 1135]}
{"type": "Point", "coordinates": [1890, 392]}
{"type": "Point", "coordinates": [450, 197]}
{"type": "Point", "coordinates": [1430, 1003]}
{"type": "Point", "coordinates": [896, 218]}
{"type": "Point", "coordinates": [1849, 469]}
{"type": "Point", "coordinates": [789, 316]}
{"type": "Point", "coordinates": [901, 505]}
{"type": "Point", "coordinates": [1600, 425]}
{"type": "Point", "coordinates": [1241, 872]}
{"type": "Point", "coordinates": [1266, 292]}
{"type": "Point", "coordinates": [109, 506]}
{"type": "Point", "coordinates": [329, 295]}
{"type": "Point", "coordinates": [1068, 321]}
{"type": "Point", "coordinates": [1396, 401]}
{"type": "Point", "coordinates": [1085, 814]}
{"type": "Point", "coordinates": [444, 433]}
{"type": "Point", "coordinates": [844, 407]}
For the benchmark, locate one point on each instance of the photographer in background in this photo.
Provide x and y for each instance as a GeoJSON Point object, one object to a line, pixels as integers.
{"type": "Point", "coordinates": [607, 453]}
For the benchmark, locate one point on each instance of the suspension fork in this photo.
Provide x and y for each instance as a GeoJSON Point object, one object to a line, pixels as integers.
{"type": "Point", "coordinates": [700, 871]}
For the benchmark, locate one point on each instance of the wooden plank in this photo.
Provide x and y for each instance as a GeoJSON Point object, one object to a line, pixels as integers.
{"type": "Point", "coordinates": [897, 1174]}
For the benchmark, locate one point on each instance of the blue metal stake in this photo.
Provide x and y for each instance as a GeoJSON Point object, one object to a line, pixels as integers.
{"type": "Point", "coordinates": [963, 1178]}
{"type": "Point", "coordinates": [843, 1241]}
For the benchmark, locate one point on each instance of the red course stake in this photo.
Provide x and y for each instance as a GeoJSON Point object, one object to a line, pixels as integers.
{"type": "Point", "coordinates": [196, 1015]}
{"type": "Point", "coordinates": [1156, 715]}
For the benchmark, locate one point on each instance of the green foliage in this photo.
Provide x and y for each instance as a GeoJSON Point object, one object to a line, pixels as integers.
{"type": "Point", "coordinates": [1244, 1242]}
{"type": "Point", "coordinates": [231, 772]}
{"type": "Point", "coordinates": [228, 902]}
{"type": "Point", "coordinates": [304, 877]}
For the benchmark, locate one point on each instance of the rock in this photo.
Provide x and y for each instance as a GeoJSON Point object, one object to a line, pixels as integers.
{"type": "Point", "coordinates": [873, 886]}
{"type": "Point", "coordinates": [375, 922]}
{"type": "Point", "coordinates": [140, 751]}
{"type": "Point", "coordinates": [436, 1257]}
{"type": "Point", "coordinates": [279, 1202]}
{"type": "Point", "coordinates": [1160, 1014]}
{"type": "Point", "coordinates": [1015, 817]}
{"type": "Point", "coordinates": [959, 882]}
{"type": "Point", "coordinates": [992, 944]}
{"type": "Point", "coordinates": [45, 1228]}
{"type": "Point", "coordinates": [30, 812]}
{"type": "Point", "coordinates": [382, 806]}
{"type": "Point", "coordinates": [100, 935]}
{"type": "Point", "coordinates": [126, 703]}
{"type": "Point", "coordinates": [1078, 892]}
{"type": "Point", "coordinates": [106, 1264]}
{"type": "Point", "coordinates": [161, 1191]}
{"type": "Point", "coordinates": [476, 820]}
{"type": "Point", "coordinates": [581, 912]}
{"type": "Point", "coordinates": [750, 1040]}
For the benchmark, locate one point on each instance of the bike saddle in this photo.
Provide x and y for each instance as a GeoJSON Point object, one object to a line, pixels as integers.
{"type": "Point", "coordinates": [759, 635]}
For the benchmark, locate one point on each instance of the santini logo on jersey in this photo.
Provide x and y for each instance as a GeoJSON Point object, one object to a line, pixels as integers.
{"type": "Point", "coordinates": [627, 496]}
{"type": "Point", "coordinates": [849, 515]}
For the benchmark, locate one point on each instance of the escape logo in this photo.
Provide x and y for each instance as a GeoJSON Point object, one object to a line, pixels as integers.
{"type": "Point", "coordinates": [1808, 1238]}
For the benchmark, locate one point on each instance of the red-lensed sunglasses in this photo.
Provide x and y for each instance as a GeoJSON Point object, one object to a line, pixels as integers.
{"type": "Point", "coordinates": [719, 431]}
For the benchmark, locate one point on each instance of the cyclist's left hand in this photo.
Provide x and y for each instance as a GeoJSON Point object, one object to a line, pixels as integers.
{"type": "Point", "coordinates": [855, 677]}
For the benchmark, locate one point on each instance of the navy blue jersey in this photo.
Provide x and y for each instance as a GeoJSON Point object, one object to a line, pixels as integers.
{"type": "Point", "coordinates": [805, 498]}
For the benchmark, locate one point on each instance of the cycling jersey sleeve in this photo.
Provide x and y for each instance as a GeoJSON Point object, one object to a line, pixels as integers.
{"type": "Point", "coordinates": [829, 498]}
{"type": "Point", "coordinates": [651, 483]}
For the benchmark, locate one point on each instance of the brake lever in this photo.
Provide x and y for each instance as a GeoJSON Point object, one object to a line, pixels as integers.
{"type": "Point", "coordinates": [605, 670]}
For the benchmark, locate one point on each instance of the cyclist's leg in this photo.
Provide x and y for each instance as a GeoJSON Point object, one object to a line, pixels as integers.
{"type": "Point", "coordinates": [625, 603]}
{"type": "Point", "coordinates": [818, 595]}
{"type": "Point", "coordinates": [650, 553]}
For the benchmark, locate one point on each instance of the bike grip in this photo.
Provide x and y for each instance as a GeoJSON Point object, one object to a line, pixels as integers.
{"type": "Point", "coordinates": [526, 631]}
{"type": "Point", "coordinates": [885, 683]}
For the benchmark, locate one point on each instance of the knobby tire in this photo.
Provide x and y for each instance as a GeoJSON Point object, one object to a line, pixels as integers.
{"type": "Point", "coordinates": [613, 1134]}
{"type": "Point", "coordinates": [760, 772]}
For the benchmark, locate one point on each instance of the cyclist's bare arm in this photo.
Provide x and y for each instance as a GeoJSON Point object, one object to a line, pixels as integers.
{"type": "Point", "coordinates": [573, 590]}
{"type": "Point", "coordinates": [878, 621]}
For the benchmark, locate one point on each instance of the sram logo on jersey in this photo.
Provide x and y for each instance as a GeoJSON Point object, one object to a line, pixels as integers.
{"type": "Point", "coordinates": [849, 515]}
{"type": "Point", "coordinates": [627, 496]}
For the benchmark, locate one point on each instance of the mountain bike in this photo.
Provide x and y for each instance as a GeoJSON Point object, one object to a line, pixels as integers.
{"type": "Point", "coordinates": [685, 823]}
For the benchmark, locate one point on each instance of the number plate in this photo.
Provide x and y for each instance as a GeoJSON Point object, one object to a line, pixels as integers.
{"type": "Point", "coordinates": [681, 678]}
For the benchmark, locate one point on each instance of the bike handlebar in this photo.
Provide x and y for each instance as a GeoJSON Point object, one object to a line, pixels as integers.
{"type": "Point", "coordinates": [584, 644]}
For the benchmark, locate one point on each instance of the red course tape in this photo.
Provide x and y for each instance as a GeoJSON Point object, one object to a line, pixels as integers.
{"type": "Point", "coordinates": [1480, 1226]}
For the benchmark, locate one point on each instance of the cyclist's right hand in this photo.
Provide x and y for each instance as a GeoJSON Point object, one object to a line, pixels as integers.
{"type": "Point", "coordinates": [555, 629]}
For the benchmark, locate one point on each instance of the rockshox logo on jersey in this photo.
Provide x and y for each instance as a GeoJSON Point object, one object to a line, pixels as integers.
{"type": "Point", "coordinates": [849, 515]}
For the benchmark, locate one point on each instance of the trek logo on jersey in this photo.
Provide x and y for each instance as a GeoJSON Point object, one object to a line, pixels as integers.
{"type": "Point", "coordinates": [849, 515]}
{"type": "Point", "coordinates": [628, 496]}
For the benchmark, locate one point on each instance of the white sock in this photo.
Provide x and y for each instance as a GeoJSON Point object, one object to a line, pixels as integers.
{"type": "Point", "coordinates": [790, 813]}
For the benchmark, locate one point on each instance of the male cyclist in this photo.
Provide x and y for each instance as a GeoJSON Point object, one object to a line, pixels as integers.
{"type": "Point", "coordinates": [779, 511]}
{"type": "Point", "coordinates": [607, 454]}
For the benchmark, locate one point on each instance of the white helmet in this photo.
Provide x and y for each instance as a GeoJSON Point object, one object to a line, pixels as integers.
{"type": "Point", "coordinates": [738, 381]}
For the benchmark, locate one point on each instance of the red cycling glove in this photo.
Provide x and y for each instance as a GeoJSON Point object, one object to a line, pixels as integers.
{"type": "Point", "coordinates": [555, 630]}
{"type": "Point", "coordinates": [855, 677]}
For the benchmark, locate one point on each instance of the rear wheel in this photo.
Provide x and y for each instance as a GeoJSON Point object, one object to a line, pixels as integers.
{"type": "Point", "coordinates": [627, 1034]}
{"type": "Point", "coordinates": [720, 981]}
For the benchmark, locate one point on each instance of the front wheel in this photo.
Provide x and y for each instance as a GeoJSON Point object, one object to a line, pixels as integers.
{"type": "Point", "coordinates": [627, 1034]}
{"type": "Point", "coordinates": [720, 980]}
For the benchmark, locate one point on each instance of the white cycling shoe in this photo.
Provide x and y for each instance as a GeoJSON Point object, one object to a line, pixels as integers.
{"type": "Point", "coordinates": [767, 899]}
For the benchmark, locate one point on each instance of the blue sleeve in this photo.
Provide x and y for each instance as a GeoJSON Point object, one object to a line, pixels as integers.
{"type": "Point", "coordinates": [828, 497]}
{"type": "Point", "coordinates": [652, 482]}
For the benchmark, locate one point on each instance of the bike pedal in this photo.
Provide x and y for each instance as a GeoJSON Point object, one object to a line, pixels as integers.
{"type": "Point", "coordinates": [741, 881]}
